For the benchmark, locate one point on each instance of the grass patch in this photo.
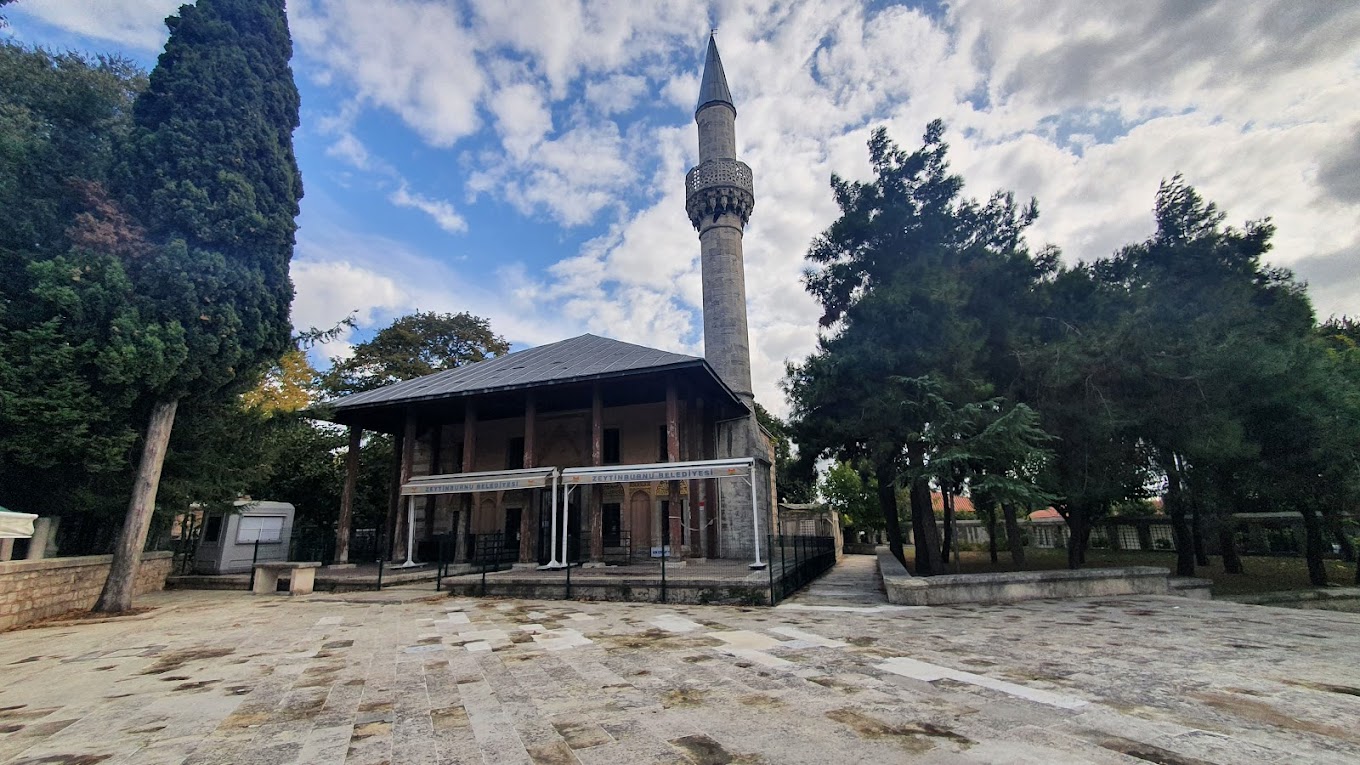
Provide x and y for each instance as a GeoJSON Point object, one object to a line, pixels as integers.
{"type": "Point", "coordinates": [1262, 574]}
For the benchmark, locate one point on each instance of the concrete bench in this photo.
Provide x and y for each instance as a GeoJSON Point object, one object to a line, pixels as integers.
{"type": "Point", "coordinates": [301, 577]}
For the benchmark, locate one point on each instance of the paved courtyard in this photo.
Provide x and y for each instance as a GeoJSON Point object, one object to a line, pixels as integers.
{"type": "Point", "coordinates": [214, 677]}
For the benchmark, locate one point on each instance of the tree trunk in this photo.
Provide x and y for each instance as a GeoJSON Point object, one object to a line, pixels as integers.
{"type": "Point", "coordinates": [1197, 531]}
{"type": "Point", "coordinates": [1013, 536]}
{"type": "Point", "coordinates": [1175, 507]}
{"type": "Point", "coordinates": [991, 532]}
{"type": "Point", "coordinates": [1313, 546]}
{"type": "Point", "coordinates": [947, 549]}
{"type": "Point", "coordinates": [346, 519]}
{"type": "Point", "coordinates": [1338, 530]}
{"type": "Point", "coordinates": [928, 533]}
{"type": "Point", "coordinates": [887, 502]}
{"type": "Point", "coordinates": [1227, 544]}
{"type": "Point", "coordinates": [1076, 530]}
{"type": "Point", "coordinates": [127, 556]}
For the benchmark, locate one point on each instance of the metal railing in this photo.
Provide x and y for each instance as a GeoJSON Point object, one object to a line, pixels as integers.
{"type": "Point", "coordinates": [796, 560]}
{"type": "Point", "coordinates": [185, 547]}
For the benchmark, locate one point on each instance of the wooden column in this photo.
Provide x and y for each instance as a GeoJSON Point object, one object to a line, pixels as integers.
{"type": "Point", "coordinates": [672, 422]}
{"type": "Point", "coordinates": [692, 526]}
{"type": "Point", "coordinates": [342, 525]}
{"type": "Point", "coordinates": [709, 516]}
{"type": "Point", "coordinates": [469, 461]}
{"type": "Point", "coordinates": [596, 501]}
{"type": "Point", "coordinates": [431, 501]}
{"type": "Point", "coordinates": [672, 455]}
{"type": "Point", "coordinates": [527, 517]}
{"type": "Point", "coordinates": [393, 497]}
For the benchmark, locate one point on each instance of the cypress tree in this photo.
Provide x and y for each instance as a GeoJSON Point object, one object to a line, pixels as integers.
{"type": "Point", "coordinates": [209, 170]}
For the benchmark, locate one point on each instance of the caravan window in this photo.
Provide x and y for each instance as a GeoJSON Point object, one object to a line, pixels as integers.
{"type": "Point", "coordinates": [268, 529]}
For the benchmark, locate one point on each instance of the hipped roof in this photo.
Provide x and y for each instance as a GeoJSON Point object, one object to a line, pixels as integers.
{"type": "Point", "coordinates": [578, 359]}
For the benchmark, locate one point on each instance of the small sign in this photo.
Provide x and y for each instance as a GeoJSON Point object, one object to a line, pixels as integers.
{"type": "Point", "coordinates": [661, 552]}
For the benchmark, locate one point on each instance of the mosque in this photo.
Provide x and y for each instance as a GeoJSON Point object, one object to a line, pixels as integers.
{"type": "Point", "coordinates": [591, 449]}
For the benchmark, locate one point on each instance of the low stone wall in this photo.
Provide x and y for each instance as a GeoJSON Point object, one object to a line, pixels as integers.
{"type": "Point", "coordinates": [890, 567]}
{"type": "Point", "coordinates": [38, 589]}
{"type": "Point", "coordinates": [1023, 585]}
{"type": "Point", "coordinates": [1191, 587]}
{"type": "Point", "coordinates": [637, 590]}
{"type": "Point", "coordinates": [860, 548]}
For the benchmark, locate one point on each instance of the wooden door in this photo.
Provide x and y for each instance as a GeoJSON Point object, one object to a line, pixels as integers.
{"type": "Point", "coordinates": [640, 522]}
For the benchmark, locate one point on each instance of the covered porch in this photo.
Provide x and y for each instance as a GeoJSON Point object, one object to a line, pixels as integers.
{"type": "Point", "coordinates": [655, 525]}
{"type": "Point", "coordinates": [479, 449]}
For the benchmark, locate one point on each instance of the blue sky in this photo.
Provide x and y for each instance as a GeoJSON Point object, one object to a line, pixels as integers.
{"type": "Point", "coordinates": [525, 160]}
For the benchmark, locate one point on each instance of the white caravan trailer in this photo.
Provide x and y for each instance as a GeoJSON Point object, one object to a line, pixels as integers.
{"type": "Point", "coordinates": [227, 543]}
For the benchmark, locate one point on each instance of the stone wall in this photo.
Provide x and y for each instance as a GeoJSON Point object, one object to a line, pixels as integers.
{"type": "Point", "coordinates": [38, 589]}
{"type": "Point", "coordinates": [1018, 586]}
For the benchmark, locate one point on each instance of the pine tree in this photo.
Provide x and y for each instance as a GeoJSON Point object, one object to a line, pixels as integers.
{"type": "Point", "coordinates": [900, 276]}
{"type": "Point", "coordinates": [210, 172]}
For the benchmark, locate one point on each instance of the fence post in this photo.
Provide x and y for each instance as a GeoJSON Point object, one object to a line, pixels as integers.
{"type": "Point", "coordinates": [769, 547]}
{"type": "Point", "coordinates": [783, 567]}
{"type": "Point", "coordinates": [381, 559]}
{"type": "Point", "coordinates": [254, 558]}
{"type": "Point", "coordinates": [481, 551]}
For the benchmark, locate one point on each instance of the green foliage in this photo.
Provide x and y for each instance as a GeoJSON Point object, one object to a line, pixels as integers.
{"type": "Point", "coordinates": [413, 346]}
{"type": "Point", "coordinates": [853, 496]}
{"type": "Point", "coordinates": [74, 347]}
{"type": "Point", "coordinates": [62, 116]}
{"type": "Point", "coordinates": [917, 285]}
{"type": "Point", "coordinates": [209, 171]}
{"type": "Point", "coordinates": [793, 476]}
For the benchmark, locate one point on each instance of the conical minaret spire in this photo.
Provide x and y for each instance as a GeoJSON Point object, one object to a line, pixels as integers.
{"type": "Point", "coordinates": [713, 88]}
{"type": "Point", "coordinates": [719, 198]}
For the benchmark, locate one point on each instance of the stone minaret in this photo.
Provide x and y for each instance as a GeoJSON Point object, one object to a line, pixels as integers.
{"type": "Point", "coordinates": [719, 198]}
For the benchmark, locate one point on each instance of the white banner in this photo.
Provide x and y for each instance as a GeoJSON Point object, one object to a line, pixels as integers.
{"type": "Point", "coordinates": [16, 525]}
{"type": "Point", "coordinates": [490, 483]}
{"type": "Point", "coordinates": [648, 474]}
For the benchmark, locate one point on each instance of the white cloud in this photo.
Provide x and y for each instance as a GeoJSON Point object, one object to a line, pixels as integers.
{"type": "Point", "coordinates": [350, 149]}
{"type": "Point", "coordinates": [441, 211]}
{"type": "Point", "coordinates": [572, 177]}
{"type": "Point", "coordinates": [413, 58]}
{"type": "Point", "coordinates": [338, 272]}
{"type": "Point", "coordinates": [522, 118]}
{"type": "Point", "coordinates": [136, 23]}
{"type": "Point", "coordinates": [619, 93]}
{"type": "Point", "coordinates": [580, 113]}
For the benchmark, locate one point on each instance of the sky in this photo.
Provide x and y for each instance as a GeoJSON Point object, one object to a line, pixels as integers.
{"type": "Point", "coordinates": [524, 161]}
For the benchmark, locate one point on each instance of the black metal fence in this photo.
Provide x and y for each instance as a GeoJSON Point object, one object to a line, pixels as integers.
{"type": "Point", "coordinates": [618, 549]}
{"type": "Point", "coordinates": [796, 560]}
{"type": "Point", "coordinates": [311, 543]}
{"type": "Point", "coordinates": [185, 546]}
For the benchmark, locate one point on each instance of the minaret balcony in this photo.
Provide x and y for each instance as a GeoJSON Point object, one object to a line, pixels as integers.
{"type": "Point", "coordinates": [719, 186]}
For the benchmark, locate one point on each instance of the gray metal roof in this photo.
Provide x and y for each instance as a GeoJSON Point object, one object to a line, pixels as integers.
{"type": "Point", "coordinates": [713, 89]}
{"type": "Point", "coordinates": [579, 358]}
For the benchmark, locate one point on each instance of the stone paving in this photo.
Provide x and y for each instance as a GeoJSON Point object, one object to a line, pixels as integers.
{"type": "Point", "coordinates": [854, 580]}
{"type": "Point", "coordinates": [224, 677]}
